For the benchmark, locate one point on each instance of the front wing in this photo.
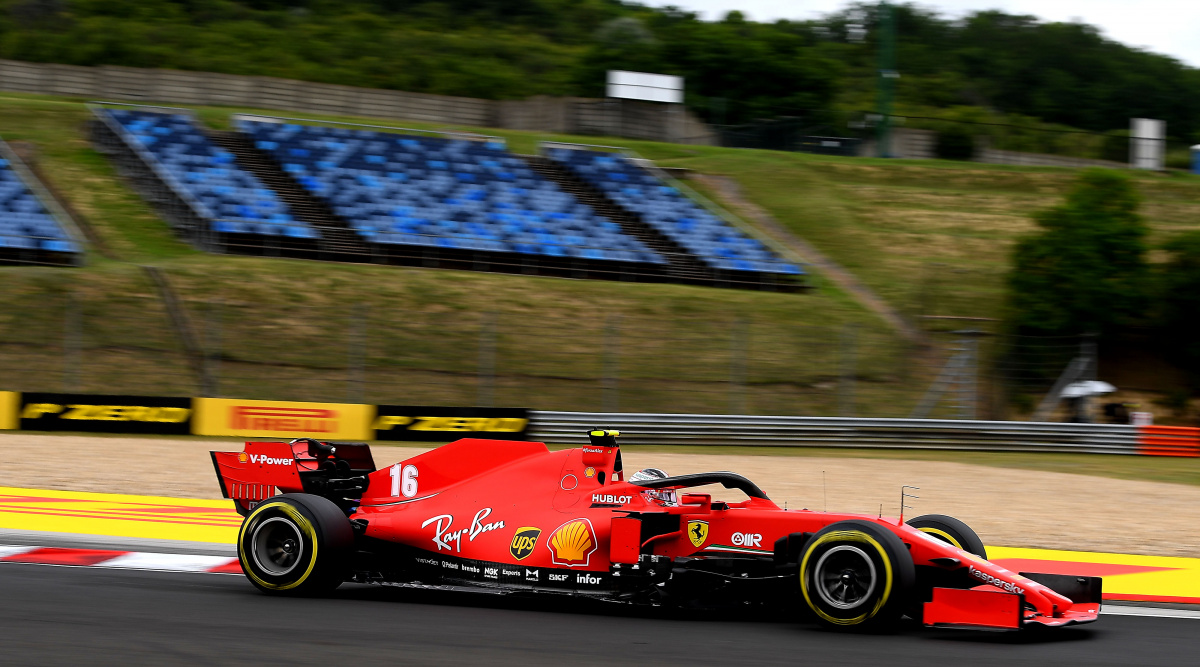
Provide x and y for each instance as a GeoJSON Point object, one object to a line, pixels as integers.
{"type": "Point", "coordinates": [984, 607]}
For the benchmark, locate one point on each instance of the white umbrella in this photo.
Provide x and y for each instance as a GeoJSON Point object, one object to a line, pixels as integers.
{"type": "Point", "coordinates": [1086, 388]}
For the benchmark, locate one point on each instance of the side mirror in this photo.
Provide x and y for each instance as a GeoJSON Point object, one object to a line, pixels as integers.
{"type": "Point", "coordinates": [704, 500]}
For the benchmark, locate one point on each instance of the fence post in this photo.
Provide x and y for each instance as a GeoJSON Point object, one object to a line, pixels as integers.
{"type": "Point", "coordinates": [968, 394]}
{"type": "Point", "coordinates": [356, 354]}
{"type": "Point", "coordinates": [72, 335]}
{"type": "Point", "coordinates": [212, 347]}
{"type": "Point", "coordinates": [738, 349]}
{"type": "Point", "coordinates": [1091, 368]}
{"type": "Point", "coordinates": [611, 389]}
{"type": "Point", "coordinates": [848, 370]}
{"type": "Point", "coordinates": [487, 360]}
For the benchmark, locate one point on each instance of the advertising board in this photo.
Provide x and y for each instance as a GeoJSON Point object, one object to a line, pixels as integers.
{"type": "Point", "coordinates": [442, 424]}
{"type": "Point", "coordinates": [645, 86]}
{"type": "Point", "coordinates": [9, 403]}
{"type": "Point", "coordinates": [282, 419]}
{"type": "Point", "coordinates": [104, 413]}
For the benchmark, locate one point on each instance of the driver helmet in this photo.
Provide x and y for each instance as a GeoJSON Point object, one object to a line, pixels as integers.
{"type": "Point", "coordinates": [664, 496]}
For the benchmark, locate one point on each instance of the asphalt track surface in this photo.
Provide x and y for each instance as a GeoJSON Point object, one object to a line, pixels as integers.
{"type": "Point", "coordinates": [90, 616]}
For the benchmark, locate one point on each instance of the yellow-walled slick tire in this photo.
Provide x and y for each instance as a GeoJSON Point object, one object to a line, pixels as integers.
{"type": "Point", "coordinates": [951, 531]}
{"type": "Point", "coordinates": [296, 544]}
{"type": "Point", "coordinates": [856, 575]}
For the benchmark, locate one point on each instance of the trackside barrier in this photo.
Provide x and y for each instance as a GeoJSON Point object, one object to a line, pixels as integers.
{"type": "Point", "coordinates": [165, 415]}
{"type": "Point", "coordinates": [1169, 441]}
{"type": "Point", "coordinates": [675, 429]}
{"type": "Point", "coordinates": [9, 402]}
{"type": "Point", "coordinates": [287, 419]}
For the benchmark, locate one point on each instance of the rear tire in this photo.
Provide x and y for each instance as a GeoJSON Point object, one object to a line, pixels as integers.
{"type": "Point", "coordinates": [950, 530]}
{"type": "Point", "coordinates": [296, 544]}
{"type": "Point", "coordinates": [856, 574]}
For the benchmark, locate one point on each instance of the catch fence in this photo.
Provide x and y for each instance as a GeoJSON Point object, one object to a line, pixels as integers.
{"type": "Point", "coordinates": [562, 115]}
{"type": "Point", "coordinates": [929, 137]}
{"type": "Point", "coordinates": [113, 334]}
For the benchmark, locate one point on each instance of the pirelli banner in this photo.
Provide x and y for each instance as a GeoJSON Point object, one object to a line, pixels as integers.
{"type": "Point", "coordinates": [282, 419]}
{"type": "Point", "coordinates": [98, 413]}
{"type": "Point", "coordinates": [438, 424]}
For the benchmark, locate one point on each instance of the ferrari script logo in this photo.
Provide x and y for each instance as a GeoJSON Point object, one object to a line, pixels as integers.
{"type": "Point", "coordinates": [697, 532]}
{"type": "Point", "coordinates": [572, 543]}
{"type": "Point", "coordinates": [523, 542]}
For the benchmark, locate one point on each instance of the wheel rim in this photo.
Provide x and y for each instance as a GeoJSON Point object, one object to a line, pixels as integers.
{"type": "Point", "coordinates": [277, 546]}
{"type": "Point", "coordinates": [844, 577]}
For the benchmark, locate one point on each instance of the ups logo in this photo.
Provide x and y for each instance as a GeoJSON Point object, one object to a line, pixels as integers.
{"type": "Point", "coordinates": [523, 542]}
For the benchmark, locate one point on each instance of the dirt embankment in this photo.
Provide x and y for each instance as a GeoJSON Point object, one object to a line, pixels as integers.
{"type": "Point", "coordinates": [1006, 506]}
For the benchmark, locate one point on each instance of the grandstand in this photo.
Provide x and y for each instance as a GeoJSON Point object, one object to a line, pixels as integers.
{"type": "Point", "coordinates": [718, 245]}
{"type": "Point", "coordinates": [412, 197]}
{"type": "Point", "coordinates": [29, 232]}
{"type": "Point", "coordinates": [205, 194]}
{"type": "Point", "coordinates": [337, 191]}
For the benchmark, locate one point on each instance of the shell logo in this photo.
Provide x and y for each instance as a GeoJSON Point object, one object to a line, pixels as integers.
{"type": "Point", "coordinates": [572, 544]}
{"type": "Point", "coordinates": [243, 457]}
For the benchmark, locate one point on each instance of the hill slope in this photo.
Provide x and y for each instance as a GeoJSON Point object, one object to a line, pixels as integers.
{"type": "Point", "coordinates": [930, 237]}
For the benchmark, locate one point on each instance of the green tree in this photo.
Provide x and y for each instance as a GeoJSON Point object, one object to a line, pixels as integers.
{"type": "Point", "coordinates": [1180, 299]}
{"type": "Point", "coordinates": [1085, 270]}
{"type": "Point", "coordinates": [1011, 65]}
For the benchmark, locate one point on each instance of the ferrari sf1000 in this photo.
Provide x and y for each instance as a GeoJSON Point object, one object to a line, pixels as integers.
{"type": "Point", "coordinates": [517, 517]}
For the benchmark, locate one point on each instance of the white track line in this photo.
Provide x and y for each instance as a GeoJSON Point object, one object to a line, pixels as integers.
{"type": "Point", "coordinates": [1151, 612]}
{"type": "Point", "coordinates": [166, 562]}
{"type": "Point", "coordinates": [135, 560]}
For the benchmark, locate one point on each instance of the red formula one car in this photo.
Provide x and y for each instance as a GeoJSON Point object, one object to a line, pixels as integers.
{"type": "Point", "coordinates": [516, 517]}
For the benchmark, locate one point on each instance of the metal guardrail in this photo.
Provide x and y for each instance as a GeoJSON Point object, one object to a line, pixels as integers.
{"type": "Point", "coordinates": [847, 432]}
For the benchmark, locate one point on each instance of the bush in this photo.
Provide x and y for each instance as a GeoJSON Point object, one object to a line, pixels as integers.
{"type": "Point", "coordinates": [1116, 146]}
{"type": "Point", "coordinates": [955, 143]}
{"type": "Point", "coordinates": [1178, 158]}
{"type": "Point", "coordinates": [1180, 297]}
{"type": "Point", "coordinates": [1085, 271]}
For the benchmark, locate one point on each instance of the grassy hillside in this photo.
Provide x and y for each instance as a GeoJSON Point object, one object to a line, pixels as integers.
{"type": "Point", "coordinates": [930, 237]}
{"type": "Point", "coordinates": [303, 330]}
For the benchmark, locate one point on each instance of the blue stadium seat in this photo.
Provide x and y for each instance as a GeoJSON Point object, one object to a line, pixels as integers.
{"type": "Point", "coordinates": [661, 206]}
{"type": "Point", "coordinates": [397, 189]}
{"type": "Point", "coordinates": [233, 201]}
{"type": "Point", "coordinates": [25, 224]}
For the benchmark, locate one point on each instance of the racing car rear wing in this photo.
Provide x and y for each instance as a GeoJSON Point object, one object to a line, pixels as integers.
{"type": "Point", "coordinates": [303, 465]}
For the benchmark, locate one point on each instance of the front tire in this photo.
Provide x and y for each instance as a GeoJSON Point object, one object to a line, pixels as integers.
{"type": "Point", "coordinates": [856, 574]}
{"type": "Point", "coordinates": [296, 544]}
{"type": "Point", "coordinates": [951, 531]}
